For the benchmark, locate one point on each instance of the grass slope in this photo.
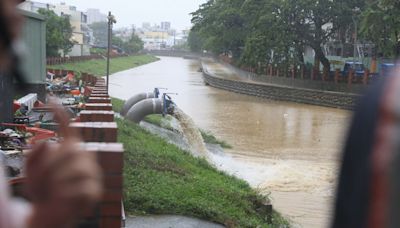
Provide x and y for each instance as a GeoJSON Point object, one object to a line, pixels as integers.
{"type": "Point", "coordinates": [98, 66]}
{"type": "Point", "coordinates": [160, 178]}
{"type": "Point", "coordinates": [117, 104]}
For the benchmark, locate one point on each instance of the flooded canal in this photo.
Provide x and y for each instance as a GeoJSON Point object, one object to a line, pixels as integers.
{"type": "Point", "coordinates": [288, 149]}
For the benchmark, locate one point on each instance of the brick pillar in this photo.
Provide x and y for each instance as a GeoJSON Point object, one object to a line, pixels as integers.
{"type": "Point", "coordinates": [325, 75]}
{"type": "Point", "coordinates": [100, 134]}
{"type": "Point", "coordinates": [350, 77]}
{"type": "Point", "coordinates": [99, 89]}
{"type": "Point", "coordinates": [92, 79]}
{"type": "Point", "coordinates": [97, 94]}
{"type": "Point", "coordinates": [365, 77]}
{"type": "Point", "coordinates": [99, 100]}
{"type": "Point", "coordinates": [85, 77]}
{"type": "Point", "coordinates": [96, 116]}
{"type": "Point", "coordinates": [100, 84]}
{"type": "Point", "coordinates": [336, 76]}
{"type": "Point", "coordinates": [98, 107]}
{"type": "Point", "coordinates": [108, 213]}
{"type": "Point", "coordinates": [270, 70]}
{"type": "Point", "coordinates": [96, 131]}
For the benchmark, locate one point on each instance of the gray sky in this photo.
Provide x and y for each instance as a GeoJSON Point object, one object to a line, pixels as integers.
{"type": "Point", "coordinates": [136, 12]}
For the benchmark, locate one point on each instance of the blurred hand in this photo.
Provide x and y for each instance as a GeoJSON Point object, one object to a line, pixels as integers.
{"type": "Point", "coordinates": [62, 180]}
{"type": "Point", "coordinates": [12, 22]}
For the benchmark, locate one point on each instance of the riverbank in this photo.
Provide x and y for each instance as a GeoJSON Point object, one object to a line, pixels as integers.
{"type": "Point", "coordinates": [226, 77]}
{"type": "Point", "coordinates": [207, 136]}
{"type": "Point", "coordinates": [98, 66]}
{"type": "Point", "coordinates": [160, 178]}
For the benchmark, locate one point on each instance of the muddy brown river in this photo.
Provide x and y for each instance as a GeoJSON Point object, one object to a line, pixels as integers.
{"type": "Point", "coordinates": [288, 150]}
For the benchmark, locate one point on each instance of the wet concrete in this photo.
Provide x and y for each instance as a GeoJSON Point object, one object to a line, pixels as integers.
{"type": "Point", "coordinates": [168, 221]}
{"type": "Point", "coordinates": [288, 149]}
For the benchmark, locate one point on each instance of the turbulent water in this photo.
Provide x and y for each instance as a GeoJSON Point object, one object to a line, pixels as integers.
{"type": "Point", "coordinates": [191, 133]}
{"type": "Point", "coordinates": [289, 150]}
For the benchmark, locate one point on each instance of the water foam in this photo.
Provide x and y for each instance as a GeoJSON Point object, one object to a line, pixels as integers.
{"type": "Point", "coordinates": [191, 134]}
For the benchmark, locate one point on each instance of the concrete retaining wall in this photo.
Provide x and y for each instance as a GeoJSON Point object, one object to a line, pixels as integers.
{"type": "Point", "coordinates": [298, 82]}
{"type": "Point", "coordinates": [285, 93]}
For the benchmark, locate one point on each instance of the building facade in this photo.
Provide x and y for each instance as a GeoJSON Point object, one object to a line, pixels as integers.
{"type": "Point", "coordinates": [165, 26]}
{"type": "Point", "coordinates": [80, 28]}
{"type": "Point", "coordinates": [94, 15]}
{"type": "Point", "coordinates": [81, 33]}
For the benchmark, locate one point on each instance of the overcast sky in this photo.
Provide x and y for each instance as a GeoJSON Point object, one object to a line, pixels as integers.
{"type": "Point", "coordinates": [136, 12]}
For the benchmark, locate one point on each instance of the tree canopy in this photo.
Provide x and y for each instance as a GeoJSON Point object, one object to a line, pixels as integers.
{"type": "Point", "coordinates": [58, 33]}
{"type": "Point", "coordinates": [381, 25]}
{"type": "Point", "coordinates": [259, 32]}
{"type": "Point", "coordinates": [133, 45]}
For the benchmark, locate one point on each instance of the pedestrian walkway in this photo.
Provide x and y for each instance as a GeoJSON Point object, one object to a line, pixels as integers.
{"type": "Point", "coordinates": [168, 221]}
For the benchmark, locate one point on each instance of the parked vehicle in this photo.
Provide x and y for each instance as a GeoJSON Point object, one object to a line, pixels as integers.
{"type": "Point", "coordinates": [386, 69]}
{"type": "Point", "coordinates": [358, 68]}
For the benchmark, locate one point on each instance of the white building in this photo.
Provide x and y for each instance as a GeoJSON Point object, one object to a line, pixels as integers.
{"type": "Point", "coordinates": [81, 33]}
{"type": "Point", "coordinates": [94, 15]}
{"type": "Point", "coordinates": [165, 25]}
{"type": "Point", "coordinates": [162, 37]}
{"type": "Point", "coordinates": [33, 6]}
{"type": "Point", "coordinates": [80, 30]}
{"type": "Point", "coordinates": [146, 25]}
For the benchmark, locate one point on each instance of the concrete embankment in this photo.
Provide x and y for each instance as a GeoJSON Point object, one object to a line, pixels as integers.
{"type": "Point", "coordinates": [279, 92]}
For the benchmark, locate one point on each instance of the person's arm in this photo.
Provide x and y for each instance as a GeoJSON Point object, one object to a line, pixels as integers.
{"type": "Point", "coordinates": [62, 180]}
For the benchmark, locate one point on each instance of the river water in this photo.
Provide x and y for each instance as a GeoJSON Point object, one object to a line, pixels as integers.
{"type": "Point", "coordinates": [288, 150]}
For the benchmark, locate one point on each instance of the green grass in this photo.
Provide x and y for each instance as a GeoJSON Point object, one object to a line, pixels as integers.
{"type": "Point", "coordinates": [98, 66]}
{"type": "Point", "coordinates": [117, 104]}
{"type": "Point", "coordinates": [160, 121]}
{"type": "Point", "coordinates": [209, 138]}
{"type": "Point", "coordinates": [160, 178]}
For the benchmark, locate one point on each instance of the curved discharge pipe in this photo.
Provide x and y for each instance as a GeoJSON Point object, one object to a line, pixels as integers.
{"type": "Point", "coordinates": [143, 108]}
{"type": "Point", "coordinates": [134, 100]}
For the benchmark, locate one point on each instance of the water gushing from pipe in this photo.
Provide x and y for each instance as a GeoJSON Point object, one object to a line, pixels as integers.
{"type": "Point", "coordinates": [192, 134]}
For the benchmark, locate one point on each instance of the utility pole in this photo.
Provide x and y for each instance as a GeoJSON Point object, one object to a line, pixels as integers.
{"type": "Point", "coordinates": [174, 38]}
{"type": "Point", "coordinates": [111, 21]}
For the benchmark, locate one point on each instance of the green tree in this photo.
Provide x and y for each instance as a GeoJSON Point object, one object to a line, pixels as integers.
{"type": "Point", "coordinates": [272, 31]}
{"type": "Point", "coordinates": [135, 44]}
{"type": "Point", "coordinates": [221, 26]}
{"type": "Point", "coordinates": [381, 25]}
{"type": "Point", "coordinates": [313, 23]}
{"type": "Point", "coordinates": [58, 33]}
{"type": "Point", "coordinates": [117, 41]}
{"type": "Point", "coordinates": [268, 40]}
{"type": "Point", "coordinates": [195, 42]}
